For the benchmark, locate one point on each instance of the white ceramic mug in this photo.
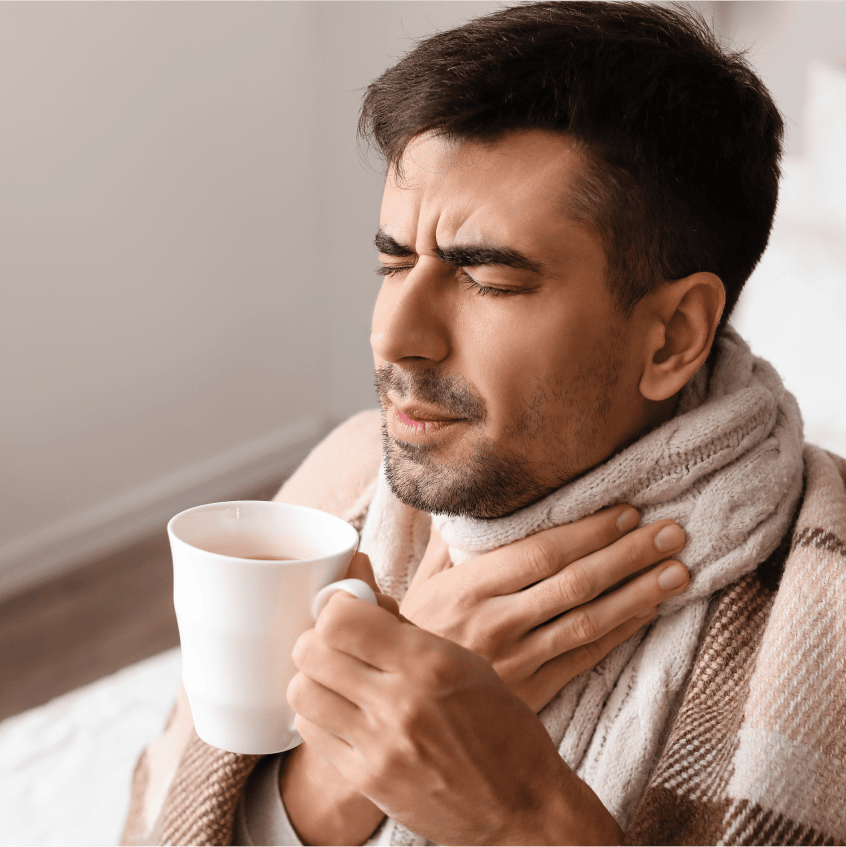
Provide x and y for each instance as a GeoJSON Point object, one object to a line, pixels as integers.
{"type": "Point", "coordinates": [248, 579]}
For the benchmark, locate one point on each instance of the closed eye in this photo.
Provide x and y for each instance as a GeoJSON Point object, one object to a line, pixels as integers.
{"type": "Point", "coordinates": [390, 270]}
{"type": "Point", "coordinates": [483, 290]}
{"type": "Point", "coordinates": [478, 288]}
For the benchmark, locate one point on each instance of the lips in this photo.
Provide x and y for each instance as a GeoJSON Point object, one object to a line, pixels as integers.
{"type": "Point", "coordinates": [418, 420]}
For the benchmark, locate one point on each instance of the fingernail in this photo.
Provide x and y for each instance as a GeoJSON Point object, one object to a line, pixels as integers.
{"type": "Point", "coordinates": [672, 577]}
{"type": "Point", "coordinates": [628, 520]}
{"type": "Point", "coordinates": [670, 538]}
{"type": "Point", "coordinates": [648, 613]}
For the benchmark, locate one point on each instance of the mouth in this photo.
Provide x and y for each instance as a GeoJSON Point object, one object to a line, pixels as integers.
{"type": "Point", "coordinates": [417, 422]}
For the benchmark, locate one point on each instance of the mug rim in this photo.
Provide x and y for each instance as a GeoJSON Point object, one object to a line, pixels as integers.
{"type": "Point", "coordinates": [342, 525]}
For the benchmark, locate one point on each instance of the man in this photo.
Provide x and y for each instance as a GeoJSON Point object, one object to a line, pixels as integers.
{"type": "Point", "coordinates": [575, 195]}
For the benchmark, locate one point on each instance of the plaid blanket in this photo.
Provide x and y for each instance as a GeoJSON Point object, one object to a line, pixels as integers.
{"type": "Point", "coordinates": [756, 754]}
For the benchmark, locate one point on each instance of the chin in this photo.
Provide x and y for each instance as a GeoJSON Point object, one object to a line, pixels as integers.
{"type": "Point", "coordinates": [486, 485]}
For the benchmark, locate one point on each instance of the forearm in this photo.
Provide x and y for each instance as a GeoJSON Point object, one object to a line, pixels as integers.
{"type": "Point", "coordinates": [322, 806]}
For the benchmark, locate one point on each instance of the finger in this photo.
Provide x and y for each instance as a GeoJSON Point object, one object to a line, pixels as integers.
{"type": "Point", "coordinates": [385, 601]}
{"type": "Point", "coordinates": [537, 557]}
{"type": "Point", "coordinates": [370, 634]}
{"type": "Point", "coordinates": [435, 559]}
{"type": "Point", "coordinates": [583, 580]}
{"type": "Point", "coordinates": [360, 568]}
{"type": "Point", "coordinates": [321, 705]}
{"type": "Point", "coordinates": [345, 757]}
{"type": "Point", "coordinates": [341, 673]}
{"type": "Point", "coordinates": [589, 622]}
{"type": "Point", "coordinates": [331, 747]}
{"type": "Point", "coordinates": [553, 675]}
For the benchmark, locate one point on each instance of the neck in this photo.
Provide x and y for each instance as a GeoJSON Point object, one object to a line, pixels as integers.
{"type": "Point", "coordinates": [654, 414]}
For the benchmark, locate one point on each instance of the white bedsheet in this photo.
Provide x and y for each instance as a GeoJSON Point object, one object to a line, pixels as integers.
{"type": "Point", "coordinates": [66, 766]}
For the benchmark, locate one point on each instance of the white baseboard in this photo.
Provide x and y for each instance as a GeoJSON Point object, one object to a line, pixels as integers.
{"type": "Point", "coordinates": [106, 527]}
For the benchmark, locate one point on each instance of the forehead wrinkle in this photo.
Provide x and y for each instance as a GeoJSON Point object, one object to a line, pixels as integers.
{"type": "Point", "coordinates": [445, 214]}
{"type": "Point", "coordinates": [399, 221]}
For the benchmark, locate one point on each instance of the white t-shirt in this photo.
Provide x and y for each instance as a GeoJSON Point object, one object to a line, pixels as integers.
{"type": "Point", "coordinates": [260, 817]}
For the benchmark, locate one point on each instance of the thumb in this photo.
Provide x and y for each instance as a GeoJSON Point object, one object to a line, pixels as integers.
{"type": "Point", "coordinates": [435, 559]}
{"type": "Point", "coordinates": [360, 568]}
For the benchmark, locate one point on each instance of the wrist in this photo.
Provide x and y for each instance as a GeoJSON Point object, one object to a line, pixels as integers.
{"type": "Point", "coordinates": [322, 806]}
{"type": "Point", "coordinates": [565, 811]}
{"type": "Point", "coordinates": [580, 817]}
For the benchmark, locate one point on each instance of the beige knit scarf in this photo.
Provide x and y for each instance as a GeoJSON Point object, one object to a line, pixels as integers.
{"type": "Point", "coordinates": [727, 468]}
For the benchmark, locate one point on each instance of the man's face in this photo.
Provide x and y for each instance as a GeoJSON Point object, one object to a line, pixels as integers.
{"type": "Point", "coordinates": [503, 367]}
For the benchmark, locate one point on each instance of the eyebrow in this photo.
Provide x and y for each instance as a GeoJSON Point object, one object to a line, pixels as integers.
{"type": "Point", "coordinates": [467, 256]}
{"type": "Point", "coordinates": [389, 246]}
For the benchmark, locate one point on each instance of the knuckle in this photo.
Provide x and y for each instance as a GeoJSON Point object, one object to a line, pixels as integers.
{"type": "Point", "coordinates": [400, 751]}
{"type": "Point", "coordinates": [480, 642]}
{"type": "Point", "coordinates": [542, 557]}
{"type": "Point", "coordinates": [302, 647]}
{"type": "Point", "coordinates": [303, 695]}
{"type": "Point", "coordinates": [635, 556]}
{"type": "Point", "coordinates": [436, 672]}
{"type": "Point", "coordinates": [383, 759]}
{"type": "Point", "coordinates": [297, 693]}
{"type": "Point", "coordinates": [405, 715]}
{"type": "Point", "coordinates": [372, 783]}
{"type": "Point", "coordinates": [333, 624]}
{"type": "Point", "coordinates": [575, 585]}
{"type": "Point", "coordinates": [327, 623]}
{"type": "Point", "coordinates": [422, 654]}
{"type": "Point", "coordinates": [511, 669]}
{"type": "Point", "coordinates": [467, 593]}
{"type": "Point", "coordinates": [489, 636]}
{"type": "Point", "coordinates": [369, 782]}
{"type": "Point", "coordinates": [388, 760]}
{"type": "Point", "coordinates": [591, 654]}
{"type": "Point", "coordinates": [582, 626]}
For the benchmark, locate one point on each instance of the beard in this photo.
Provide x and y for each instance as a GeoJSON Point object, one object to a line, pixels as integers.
{"type": "Point", "coordinates": [489, 482]}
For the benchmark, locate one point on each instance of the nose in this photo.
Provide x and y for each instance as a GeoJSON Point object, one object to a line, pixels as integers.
{"type": "Point", "coordinates": [412, 316]}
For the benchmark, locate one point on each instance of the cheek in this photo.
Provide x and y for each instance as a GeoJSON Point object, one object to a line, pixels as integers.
{"type": "Point", "coordinates": [539, 374]}
{"type": "Point", "coordinates": [493, 355]}
{"type": "Point", "coordinates": [520, 368]}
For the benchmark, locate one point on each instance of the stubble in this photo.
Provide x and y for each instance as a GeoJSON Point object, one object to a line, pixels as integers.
{"type": "Point", "coordinates": [488, 481]}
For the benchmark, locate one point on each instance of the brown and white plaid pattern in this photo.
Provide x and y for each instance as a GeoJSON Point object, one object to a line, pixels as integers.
{"type": "Point", "coordinates": [757, 754]}
{"type": "Point", "coordinates": [757, 751]}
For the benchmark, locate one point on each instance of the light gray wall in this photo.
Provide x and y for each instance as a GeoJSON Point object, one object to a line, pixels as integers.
{"type": "Point", "coordinates": [155, 201]}
{"type": "Point", "coordinates": [186, 254]}
{"type": "Point", "coordinates": [782, 39]}
{"type": "Point", "coordinates": [185, 246]}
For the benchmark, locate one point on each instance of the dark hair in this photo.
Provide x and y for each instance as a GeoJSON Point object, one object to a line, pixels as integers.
{"type": "Point", "coordinates": [681, 140]}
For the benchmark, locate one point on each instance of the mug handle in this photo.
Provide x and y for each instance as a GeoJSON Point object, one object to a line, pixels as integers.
{"type": "Point", "coordinates": [356, 587]}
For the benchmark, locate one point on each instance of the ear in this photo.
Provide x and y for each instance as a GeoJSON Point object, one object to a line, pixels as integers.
{"type": "Point", "coordinates": [683, 317]}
